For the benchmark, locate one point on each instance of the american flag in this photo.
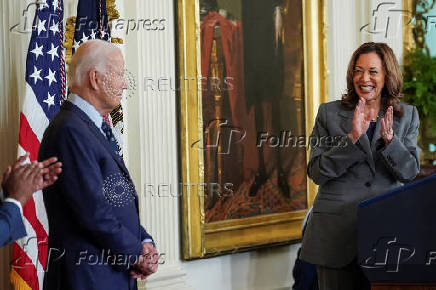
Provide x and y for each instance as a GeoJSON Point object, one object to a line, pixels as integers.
{"type": "Point", "coordinates": [45, 88]}
{"type": "Point", "coordinates": [92, 23]}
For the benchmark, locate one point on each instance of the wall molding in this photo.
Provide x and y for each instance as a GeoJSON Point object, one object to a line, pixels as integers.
{"type": "Point", "coordinates": [151, 133]}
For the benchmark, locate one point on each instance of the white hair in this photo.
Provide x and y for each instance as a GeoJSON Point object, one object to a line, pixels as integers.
{"type": "Point", "coordinates": [96, 57]}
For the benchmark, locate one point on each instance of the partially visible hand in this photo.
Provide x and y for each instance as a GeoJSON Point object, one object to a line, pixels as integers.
{"type": "Point", "coordinates": [386, 131]}
{"type": "Point", "coordinates": [20, 161]}
{"type": "Point", "coordinates": [21, 181]}
{"type": "Point", "coordinates": [360, 121]}
{"type": "Point", "coordinates": [51, 170]}
{"type": "Point", "coordinates": [147, 264]}
{"type": "Point", "coordinates": [16, 165]}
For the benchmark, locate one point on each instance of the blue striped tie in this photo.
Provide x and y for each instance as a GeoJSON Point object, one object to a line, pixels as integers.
{"type": "Point", "coordinates": [110, 137]}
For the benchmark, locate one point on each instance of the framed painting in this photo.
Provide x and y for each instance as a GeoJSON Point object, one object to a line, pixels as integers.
{"type": "Point", "coordinates": [251, 75]}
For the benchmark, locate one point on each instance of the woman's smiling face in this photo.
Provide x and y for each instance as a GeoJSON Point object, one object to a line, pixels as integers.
{"type": "Point", "coordinates": [369, 76]}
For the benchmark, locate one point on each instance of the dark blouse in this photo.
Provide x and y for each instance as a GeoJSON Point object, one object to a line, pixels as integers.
{"type": "Point", "coordinates": [371, 130]}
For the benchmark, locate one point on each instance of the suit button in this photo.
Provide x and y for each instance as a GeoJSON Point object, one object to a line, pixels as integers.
{"type": "Point", "coordinates": [368, 184]}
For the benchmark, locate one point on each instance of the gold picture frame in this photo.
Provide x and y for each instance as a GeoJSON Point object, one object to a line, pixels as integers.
{"type": "Point", "coordinates": [201, 239]}
{"type": "Point", "coordinates": [408, 42]}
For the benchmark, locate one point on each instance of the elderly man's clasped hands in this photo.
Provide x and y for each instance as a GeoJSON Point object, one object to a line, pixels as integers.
{"type": "Point", "coordinates": [147, 263]}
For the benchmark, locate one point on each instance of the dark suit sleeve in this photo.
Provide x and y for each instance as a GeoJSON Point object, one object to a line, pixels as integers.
{"type": "Point", "coordinates": [11, 223]}
{"type": "Point", "coordinates": [327, 162]}
{"type": "Point", "coordinates": [81, 184]}
{"type": "Point", "coordinates": [145, 235]}
{"type": "Point", "coordinates": [401, 155]}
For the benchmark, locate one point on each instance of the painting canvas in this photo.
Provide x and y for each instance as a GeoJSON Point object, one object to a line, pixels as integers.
{"type": "Point", "coordinates": [252, 107]}
{"type": "Point", "coordinates": [244, 126]}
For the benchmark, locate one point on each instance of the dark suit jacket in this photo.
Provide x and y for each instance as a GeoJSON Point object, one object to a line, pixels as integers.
{"type": "Point", "coordinates": [11, 223]}
{"type": "Point", "coordinates": [349, 173]}
{"type": "Point", "coordinates": [95, 234]}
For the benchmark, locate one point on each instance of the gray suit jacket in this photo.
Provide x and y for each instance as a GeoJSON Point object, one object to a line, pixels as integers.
{"type": "Point", "coordinates": [349, 173]}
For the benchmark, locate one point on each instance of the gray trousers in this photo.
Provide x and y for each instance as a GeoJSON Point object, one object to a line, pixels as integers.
{"type": "Point", "coordinates": [349, 277]}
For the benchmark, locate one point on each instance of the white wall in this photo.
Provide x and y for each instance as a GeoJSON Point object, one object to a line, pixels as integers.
{"type": "Point", "coordinates": [269, 268]}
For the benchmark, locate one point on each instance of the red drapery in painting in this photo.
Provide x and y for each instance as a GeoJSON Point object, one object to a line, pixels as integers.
{"type": "Point", "coordinates": [232, 45]}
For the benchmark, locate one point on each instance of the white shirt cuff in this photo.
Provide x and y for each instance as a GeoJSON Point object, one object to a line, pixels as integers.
{"type": "Point", "coordinates": [17, 203]}
{"type": "Point", "coordinates": [147, 241]}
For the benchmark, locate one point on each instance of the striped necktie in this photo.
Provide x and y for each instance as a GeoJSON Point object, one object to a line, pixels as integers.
{"type": "Point", "coordinates": [110, 137]}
